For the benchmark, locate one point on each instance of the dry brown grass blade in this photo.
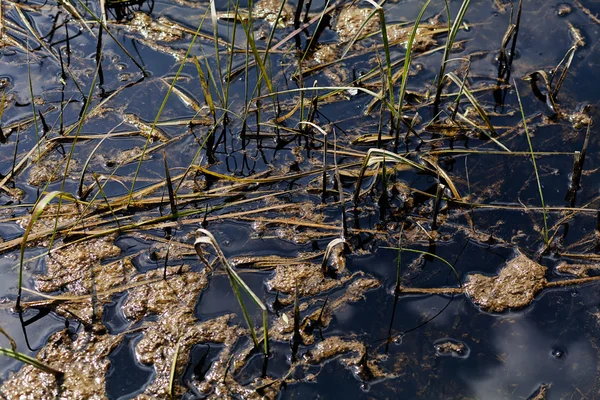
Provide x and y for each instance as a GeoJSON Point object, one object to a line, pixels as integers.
{"type": "Point", "coordinates": [2, 24]}
{"type": "Point", "coordinates": [274, 179]}
{"type": "Point", "coordinates": [445, 176]}
{"type": "Point", "coordinates": [52, 300]}
{"type": "Point", "coordinates": [587, 11]}
{"type": "Point", "coordinates": [76, 15]}
{"type": "Point", "coordinates": [184, 97]}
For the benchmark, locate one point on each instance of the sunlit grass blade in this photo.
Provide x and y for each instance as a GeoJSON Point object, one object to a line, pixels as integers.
{"type": "Point", "coordinates": [205, 237]}
{"type": "Point", "coordinates": [173, 371]}
{"type": "Point", "coordinates": [386, 49]}
{"type": "Point", "coordinates": [448, 48]}
{"type": "Point", "coordinates": [408, 59]}
{"type": "Point", "coordinates": [31, 361]}
{"type": "Point", "coordinates": [206, 89]}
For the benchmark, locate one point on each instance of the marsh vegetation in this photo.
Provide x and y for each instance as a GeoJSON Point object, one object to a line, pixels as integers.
{"type": "Point", "coordinates": [285, 199]}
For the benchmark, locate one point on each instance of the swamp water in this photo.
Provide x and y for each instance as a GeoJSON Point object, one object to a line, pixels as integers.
{"type": "Point", "coordinates": [455, 277]}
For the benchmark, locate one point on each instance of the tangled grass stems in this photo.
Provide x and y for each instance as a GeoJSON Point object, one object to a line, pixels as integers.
{"type": "Point", "coordinates": [452, 76]}
{"type": "Point", "coordinates": [377, 156]}
{"type": "Point", "coordinates": [162, 107]}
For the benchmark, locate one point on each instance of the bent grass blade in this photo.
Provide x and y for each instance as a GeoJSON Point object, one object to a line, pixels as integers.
{"type": "Point", "coordinates": [205, 237]}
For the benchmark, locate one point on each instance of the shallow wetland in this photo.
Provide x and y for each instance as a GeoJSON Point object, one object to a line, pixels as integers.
{"type": "Point", "coordinates": [307, 199]}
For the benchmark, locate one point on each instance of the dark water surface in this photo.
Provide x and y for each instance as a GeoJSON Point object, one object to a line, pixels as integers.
{"type": "Point", "coordinates": [550, 345]}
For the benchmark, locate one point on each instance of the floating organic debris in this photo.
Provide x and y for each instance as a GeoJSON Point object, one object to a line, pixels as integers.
{"type": "Point", "coordinates": [121, 158]}
{"type": "Point", "coordinates": [326, 53]}
{"type": "Point", "coordinates": [53, 215]}
{"type": "Point", "coordinates": [515, 286]}
{"type": "Point", "coordinates": [157, 347]}
{"type": "Point", "coordinates": [451, 347]}
{"type": "Point", "coordinates": [321, 317]}
{"type": "Point", "coordinates": [263, 119]}
{"type": "Point", "coordinates": [69, 267]}
{"type": "Point", "coordinates": [307, 277]}
{"type": "Point", "coordinates": [351, 18]}
{"type": "Point", "coordinates": [541, 392]}
{"type": "Point", "coordinates": [360, 364]}
{"type": "Point", "coordinates": [48, 170]}
{"type": "Point", "coordinates": [146, 130]}
{"type": "Point", "coordinates": [424, 37]}
{"type": "Point", "coordinates": [161, 30]}
{"type": "Point", "coordinates": [579, 270]}
{"type": "Point", "coordinates": [83, 360]}
{"type": "Point", "coordinates": [268, 10]}
{"type": "Point", "coordinates": [180, 291]}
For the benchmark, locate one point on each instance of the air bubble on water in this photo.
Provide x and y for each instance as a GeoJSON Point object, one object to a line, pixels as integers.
{"type": "Point", "coordinates": [558, 353]}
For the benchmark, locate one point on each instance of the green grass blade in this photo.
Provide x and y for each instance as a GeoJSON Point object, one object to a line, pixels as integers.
{"type": "Point", "coordinates": [448, 48]}
{"type": "Point", "coordinates": [171, 393]}
{"type": "Point", "coordinates": [30, 360]}
{"type": "Point", "coordinates": [35, 214]}
{"type": "Point", "coordinates": [408, 58]}
{"type": "Point", "coordinates": [537, 176]}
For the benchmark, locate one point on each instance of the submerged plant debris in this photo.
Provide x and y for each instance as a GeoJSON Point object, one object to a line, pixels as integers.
{"type": "Point", "coordinates": [381, 214]}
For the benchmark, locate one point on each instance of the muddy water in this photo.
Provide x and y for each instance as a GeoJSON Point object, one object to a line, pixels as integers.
{"type": "Point", "coordinates": [510, 326]}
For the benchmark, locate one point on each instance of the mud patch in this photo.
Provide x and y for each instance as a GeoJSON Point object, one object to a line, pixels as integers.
{"type": "Point", "coordinates": [83, 360]}
{"type": "Point", "coordinates": [307, 277]}
{"type": "Point", "coordinates": [515, 286]}
{"type": "Point", "coordinates": [351, 19]}
{"type": "Point", "coordinates": [69, 267]}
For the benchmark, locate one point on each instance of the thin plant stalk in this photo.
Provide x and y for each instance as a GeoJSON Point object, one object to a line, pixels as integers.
{"type": "Point", "coordinates": [430, 255]}
{"type": "Point", "coordinates": [537, 176]}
